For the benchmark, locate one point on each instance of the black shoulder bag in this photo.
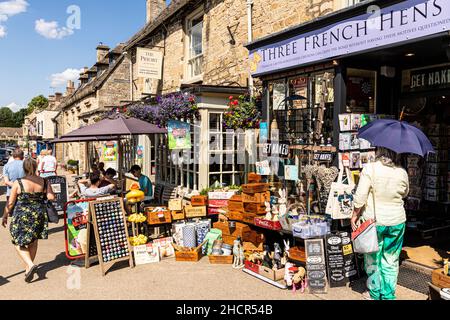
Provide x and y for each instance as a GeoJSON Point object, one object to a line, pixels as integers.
{"type": "Point", "coordinates": [52, 214]}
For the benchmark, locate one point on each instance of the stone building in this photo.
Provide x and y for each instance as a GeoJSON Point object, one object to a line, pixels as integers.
{"type": "Point", "coordinates": [102, 87]}
{"type": "Point", "coordinates": [202, 44]}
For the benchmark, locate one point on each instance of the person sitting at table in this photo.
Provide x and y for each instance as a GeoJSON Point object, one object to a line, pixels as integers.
{"type": "Point", "coordinates": [108, 178]}
{"type": "Point", "coordinates": [101, 168]}
{"type": "Point", "coordinates": [95, 190]}
{"type": "Point", "coordinates": [144, 182]}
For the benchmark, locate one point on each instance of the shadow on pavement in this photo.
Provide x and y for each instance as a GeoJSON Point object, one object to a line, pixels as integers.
{"type": "Point", "coordinates": [56, 230]}
{"type": "Point", "coordinates": [60, 261]}
{"type": "Point", "coordinates": [4, 281]}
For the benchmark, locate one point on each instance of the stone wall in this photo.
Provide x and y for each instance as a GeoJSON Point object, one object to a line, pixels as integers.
{"type": "Point", "coordinates": [225, 34]}
{"type": "Point", "coordinates": [116, 88]}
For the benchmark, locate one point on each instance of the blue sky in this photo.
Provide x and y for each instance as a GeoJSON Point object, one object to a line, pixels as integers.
{"type": "Point", "coordinates": [31, 52]}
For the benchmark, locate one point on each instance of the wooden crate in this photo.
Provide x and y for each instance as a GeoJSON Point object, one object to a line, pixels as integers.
{"type": "Point", "coordinates": [184, 256]}
{"type": "Point", "coordinates": [259, 198]}
{"type": "Point", "coordinates": [255, 208]}
{"type": "Point", "coordinates": [236, 215]}
{"type": "Point", "coordinates": [236, 206]}
{"type": "Point", "coordinates": [297, 254]}
{"type": "Point", "coordinates": [194, 212]}
{"type": "Point", "coordinates": [274, 275]}
{"type": "Point", "coordinates": [440, 280]}
{"type": "Point", "coordinates": [218, 203]}
{"type": "Point", "coordinates": [177, 215]}
{"type": "Point", "coordinates": [224, 226]}
{"type": "Point", "coordinates": [254, 178]}
{"type": "Point", "coordinates": [251, 266]}
{"type": "Point", "coordinates": [249, 218]}
{"type": "Point", "coordinates": [266, 224]}
{"type": "Point", "coordinates": [255, 188]}
{"type": "Point", "coordinates": [176, 204]}
{"type": "Point", "coordinates": [221, 259]}
{"type": "Point", "coordinates": [229, 239]}
{"type": "Point", "coordinates": [161, 217]}
{"type": "Point", "coordinates": [198, 201]}
{"type": "Point", "coordinates": [249, 246]}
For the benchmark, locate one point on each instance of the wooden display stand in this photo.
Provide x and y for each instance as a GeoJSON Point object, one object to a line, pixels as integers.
{"type": "Point", "coordinates": [440, 279]}
{"type": "Point", "coordinates": [99, 237]}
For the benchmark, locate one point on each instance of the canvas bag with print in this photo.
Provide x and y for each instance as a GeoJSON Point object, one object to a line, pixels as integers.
{"type": "Point", "coordinates": [340, 203]}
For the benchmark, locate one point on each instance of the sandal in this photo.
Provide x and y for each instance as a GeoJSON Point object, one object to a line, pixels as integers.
{"type": "Point", "coordinates": [30, 275]}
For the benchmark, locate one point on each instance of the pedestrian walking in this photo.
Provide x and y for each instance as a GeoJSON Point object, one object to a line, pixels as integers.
{"type": "Point", "coordinates": [380, 195]}
{"type": "Point", "coordinates": [49, 165]}
{"type": "Point", "coordinates": [39, 159]}
{"type": "Point", "coordinates": [13, 171]}
{"type": "Point", "coordinates": [29, 222]}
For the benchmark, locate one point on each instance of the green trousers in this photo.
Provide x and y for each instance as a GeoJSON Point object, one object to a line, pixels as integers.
{"type": "Point", "coordinates": [382, 267]}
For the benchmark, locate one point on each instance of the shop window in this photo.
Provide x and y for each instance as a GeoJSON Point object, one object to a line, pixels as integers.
{"type": "Point", "coordinates": [224, 167]}
{"type": "Point", "coordinates": [299, 112]}
{"type": "Point", "coordinates": [195, 47]}
{"type": "Point", "coordinates": [361, 91]}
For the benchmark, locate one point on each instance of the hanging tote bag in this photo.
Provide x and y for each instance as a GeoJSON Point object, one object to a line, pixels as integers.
{"type": "Point", "coordinates": [365, 238]}
{"type": "Point", "coordinates": [52, 214]}
{"type": "Point", "coordinates": [340, 203]}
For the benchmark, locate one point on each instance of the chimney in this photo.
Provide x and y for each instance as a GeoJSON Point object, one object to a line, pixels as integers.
{"type": "Point", "coordinates": [154, 9]}
{"type": "Point", "coordinates": [70, 89]}
{"type": "Point", "coordinates": [102, 52]}
{"type": "Point", "coordinates": [58, 96]}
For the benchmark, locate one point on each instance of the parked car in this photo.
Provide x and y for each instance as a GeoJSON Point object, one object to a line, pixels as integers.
{"type": "Point", "coordinates": [4, 156]}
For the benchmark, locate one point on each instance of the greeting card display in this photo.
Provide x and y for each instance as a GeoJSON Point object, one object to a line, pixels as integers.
{"type": "Point", "coordinates": [345, 141]}
{"type": "Point", "coordinates": [345, 122]}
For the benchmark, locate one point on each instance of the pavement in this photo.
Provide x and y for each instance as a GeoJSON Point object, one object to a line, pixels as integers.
{"type": "Point", "coordinates": [57, 279]}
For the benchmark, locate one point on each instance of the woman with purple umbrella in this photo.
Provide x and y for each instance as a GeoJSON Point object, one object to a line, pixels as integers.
{"type": "Point", "coordinates": [380, 195]}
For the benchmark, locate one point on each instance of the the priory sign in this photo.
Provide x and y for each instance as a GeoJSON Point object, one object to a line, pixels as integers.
{"type": "Point", "coordinates": [405, 21]}
{"type": "Point", "coordinates": [149, 63]}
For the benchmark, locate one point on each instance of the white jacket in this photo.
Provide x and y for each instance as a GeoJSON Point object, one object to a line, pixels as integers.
{"type": "Point", "coordinates": [391, 187]}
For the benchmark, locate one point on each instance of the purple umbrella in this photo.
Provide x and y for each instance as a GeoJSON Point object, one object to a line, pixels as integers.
{"type": "Point", "coordinates": [398, 136]}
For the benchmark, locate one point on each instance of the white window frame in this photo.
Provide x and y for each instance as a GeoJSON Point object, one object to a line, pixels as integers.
{"type": "Point", "coordinates": [341, 4]}
{"type": "Point", "coordinates": [188, 26]}
{"type": "Point", "coordinates": [222, 151]}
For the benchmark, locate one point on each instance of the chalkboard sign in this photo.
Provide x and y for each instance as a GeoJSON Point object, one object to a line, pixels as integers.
{"type": "Point", "coordinates": [59, 187]}
{"type": "Point", "coordinates": [111, 233]}
{"type": "Point", "coordinates": [316, 266]}
{"type": "Point", "coordinates": [342, 266]}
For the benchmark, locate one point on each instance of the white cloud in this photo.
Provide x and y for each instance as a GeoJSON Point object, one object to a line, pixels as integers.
{"type": "Point", "coordinates": [14, 107]}
{"type": "Point", "coordinates": [9, 9]}
{"type": "Point", "coordinates": [60, 79]}
{"type": "Point", "coordinates": [51, 29]}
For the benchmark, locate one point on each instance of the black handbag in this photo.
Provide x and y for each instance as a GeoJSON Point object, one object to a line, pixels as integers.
{"type": "Point", "coordinates": [52, 214]}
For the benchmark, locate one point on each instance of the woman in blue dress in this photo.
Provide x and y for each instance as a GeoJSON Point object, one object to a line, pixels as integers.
{"type": "Point", "coordinates": [29, 221]}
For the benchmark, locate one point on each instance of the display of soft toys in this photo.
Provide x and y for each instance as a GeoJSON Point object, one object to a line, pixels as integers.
{"type": "Point", "coordinates": [269, 215]}
{"type": "Point", "coordinates": [267, 260]}
{"type": "Point", "coordinates": [277, 257]}
{"type": "Point", "coordinates": [135, 195]}
{"type": "Point", "coordinates": [295, 277]}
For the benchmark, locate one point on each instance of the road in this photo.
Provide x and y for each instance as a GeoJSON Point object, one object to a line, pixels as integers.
{"type": "Point", "coordinates": [168, 280]}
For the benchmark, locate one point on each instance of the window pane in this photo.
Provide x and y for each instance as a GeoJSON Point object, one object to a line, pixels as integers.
{"type": "Point", "coordinates": [227, 179]}
{"type": "Point", "coordinates": [196, 39]}
{"type": "Point", "coordinates": [214, 162]}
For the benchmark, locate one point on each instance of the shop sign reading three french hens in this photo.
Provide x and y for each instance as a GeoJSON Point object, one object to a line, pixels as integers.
{"type": "Point", "coordinates": [405, 21]}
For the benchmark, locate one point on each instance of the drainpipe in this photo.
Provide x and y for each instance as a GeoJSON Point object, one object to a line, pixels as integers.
{"type": "Point", "coordinates": [250, 39]}
{"type": "Point", "coordinates": [128, 54]}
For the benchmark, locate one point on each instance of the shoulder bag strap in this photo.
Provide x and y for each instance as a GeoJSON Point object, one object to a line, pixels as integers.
{"type": "Point", "coordinates": [22, 189]}
{"type": "Point", "coordinates": [373, 191]}
{"type": "Point", "coordinates": [44, 192]}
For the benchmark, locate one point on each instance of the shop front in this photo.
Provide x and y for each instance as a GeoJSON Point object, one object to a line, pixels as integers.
{"type": "Point", "coordinates": [387, 59]}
